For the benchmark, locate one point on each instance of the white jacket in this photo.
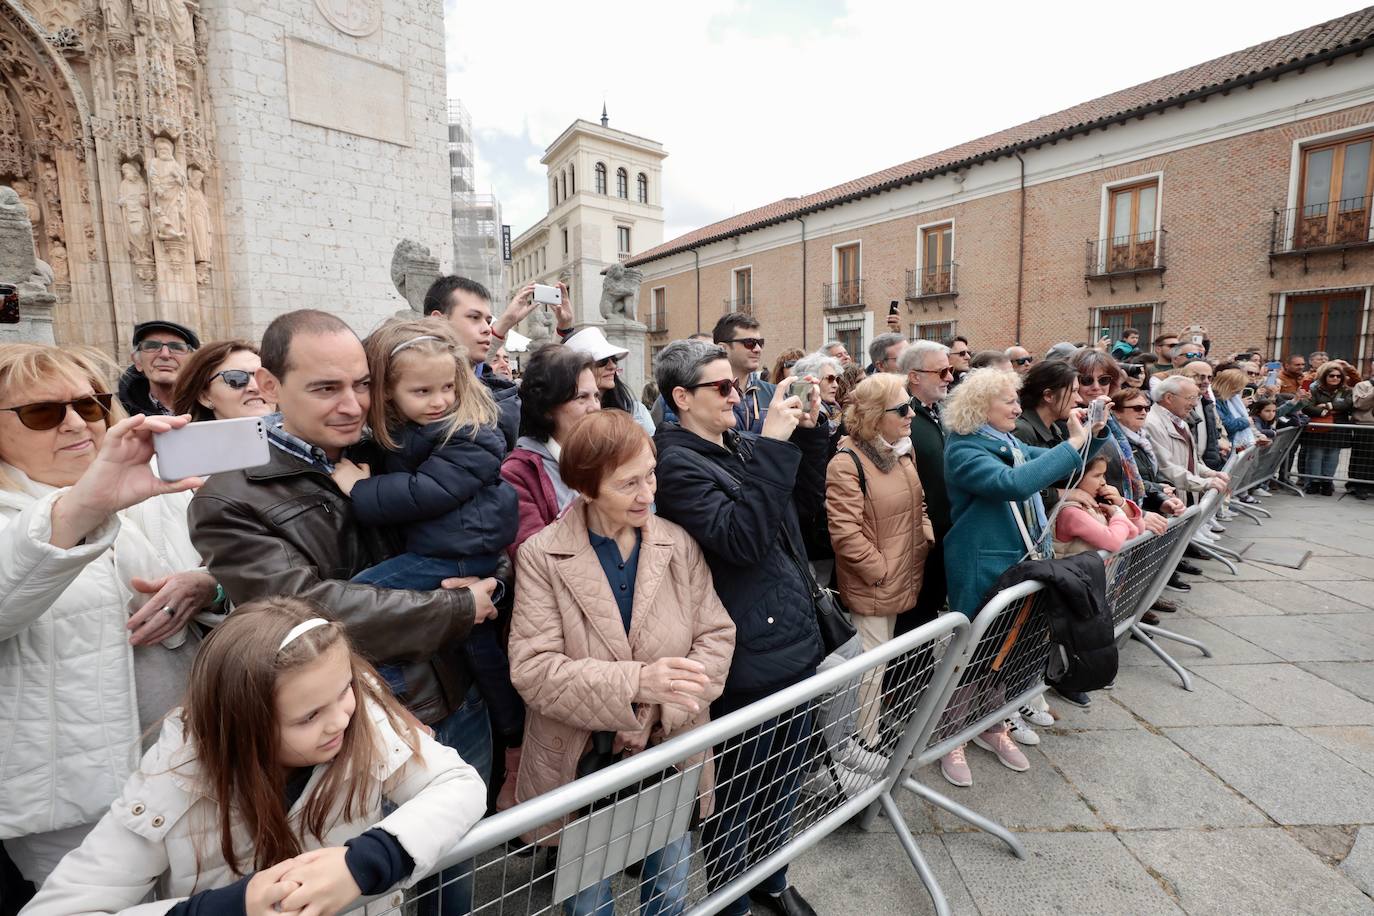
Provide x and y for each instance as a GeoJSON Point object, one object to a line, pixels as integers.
{"type": "Point", "coordinates": [1172, 452]}
{"type": "Point", "coordinates": [69, 727]}
{"type": "Point", "coordinates": [148, 841]}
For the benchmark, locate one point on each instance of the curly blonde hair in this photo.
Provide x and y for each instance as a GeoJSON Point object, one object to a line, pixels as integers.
{"type": "Point", "coordinates": [868, 403]}
{"type": "Point", "coordinates": [967, 408]}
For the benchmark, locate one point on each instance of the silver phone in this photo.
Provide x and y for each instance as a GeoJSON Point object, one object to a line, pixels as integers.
{"type": "Point", "coordinates": [1097, 412]}
{"type": "Point", "coordinates": [211, 447]}
{"type": "Point", "coordinates": [547, 295]}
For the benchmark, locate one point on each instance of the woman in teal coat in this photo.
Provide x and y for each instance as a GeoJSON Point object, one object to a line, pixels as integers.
{"type": "Point", "coordinates": [991, 478]}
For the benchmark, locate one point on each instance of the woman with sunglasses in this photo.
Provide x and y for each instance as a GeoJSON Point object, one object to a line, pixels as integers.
{"type": "Point", "coordinates": [219, 382]}
{"type": "Point", "coordinates": [878, 524]}
{"type": "Point", "coordinates": [97, 584]}
{"type": "Point", "coordinates": [607, 359]}
{"type": "Point", "coordinates": [1331, 402]}
{"type": "Point", "coordinates": [810, 491]}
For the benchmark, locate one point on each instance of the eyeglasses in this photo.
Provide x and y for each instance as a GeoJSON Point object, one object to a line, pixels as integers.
{"type": "Point", "coordinates": [901, 410]}
{"type": "Point", "coordinates": [828, 379]}
{"type": "Point", "coordinates": [1102, 381]}
{"type": "Point", "coordinates": [603, 363]}
{"type": "Point", "coordinates": [748, 343]}
{"type": "Point", "coordinates": [154, 346]}
{"type": "Point", "coordinates": [1193, 355]}
{"type": "Point", "coordinates": [723, 387]}
{"type": "Point", "coordinates": [1138, 408]}
{"type": "Point", "coordinates": [1023, 361]}
{"type": "Point", "coordinates": [946, 372]}
{"type": "Point", "coordinates": [236, 379]}
{"type": "Point", "coordinates": [44, 415]}
{"type": "Point", "coordinates": [963, 353]}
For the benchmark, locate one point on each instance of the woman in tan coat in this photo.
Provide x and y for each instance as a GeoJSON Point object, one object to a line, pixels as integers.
{"type": "Point", "coordinates": [616, 630]}
{"type": "Point", "coordinates": [878, 522]}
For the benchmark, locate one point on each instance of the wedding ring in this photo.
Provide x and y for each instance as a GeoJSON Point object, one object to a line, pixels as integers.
{"type": "Point", "coordinates": [672, 686]}
{"type": "Point", "coordinates": [169, 611]}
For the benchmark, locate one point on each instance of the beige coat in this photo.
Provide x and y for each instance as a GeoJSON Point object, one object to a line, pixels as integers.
{"type": "Point", "coordinates": [1173, 454]}
{"type": "Point", "coordinates": [880, 540]}
{"type": "Point", "coordinates": [572, 660]}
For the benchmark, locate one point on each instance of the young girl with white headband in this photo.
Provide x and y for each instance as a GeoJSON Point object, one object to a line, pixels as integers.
{"type": "Point", "coordinates": [265, 793]}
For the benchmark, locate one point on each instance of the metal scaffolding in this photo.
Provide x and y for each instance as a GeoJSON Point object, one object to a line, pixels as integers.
{"type": "Point", "coordinates": [476, 217]}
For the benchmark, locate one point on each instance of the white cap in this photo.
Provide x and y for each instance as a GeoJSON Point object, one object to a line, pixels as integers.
{"type": "Point", "coordinates": [592, 342]}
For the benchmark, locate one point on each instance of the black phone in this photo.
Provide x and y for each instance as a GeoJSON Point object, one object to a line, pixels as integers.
{"type": "Point", "coordinates": [894, 307]}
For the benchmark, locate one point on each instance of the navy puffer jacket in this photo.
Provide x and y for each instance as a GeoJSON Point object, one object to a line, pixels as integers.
{"type": "Point", "coordinates": [735, 501]}
{"type": "Point", "coordinates": [448, 496]}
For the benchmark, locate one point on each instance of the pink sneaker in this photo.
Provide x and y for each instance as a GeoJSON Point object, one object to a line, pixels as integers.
{"type": "Point", "coordinates": [999, 742]}
{"type": "Point", "coordinates": [955, 769]}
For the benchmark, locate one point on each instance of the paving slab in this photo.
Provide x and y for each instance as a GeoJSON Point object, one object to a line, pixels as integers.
{"type": "Point", "coordinates": [1357, 677]}
{"type": "Point", "coordinates": [1223, 872]}
{"type": "Point", "coordinates": [858, 874]}
{"type": "Point", "coordinates": [1218, 599]}
{"type": "Point", "coordinates": [1226, 646]}
{"type": "Point", "coordinates": [1291, 777]}
{"type": "Point", "coordinates": [1140, 780]}
{"type": "Point", "coordinates": [1353, 743]}
{"type": "Point", "coordinates": [1039, 798]}
{"type": "Point", "coordinates": [1102, 714]}
{"type": "Point", "coordinates": [1359, 864]}
{"type": "Point", "coordinates": [1287, 598]}
{"type": "Point", "coordinates": [1134, 654]}
{"type": "Point", "coordinates": [1360, 622]}
{"type": "Point", "coordinates": [1080, 873]}
{"type": "Point", "coordinates": [1356, 592]}
{"type": "Point", "coordinates": [1306, 638]}
{"type": "Point", "coordinates": [1291, 695]}
{"type": "Point", "coordinates": [1162, 704]}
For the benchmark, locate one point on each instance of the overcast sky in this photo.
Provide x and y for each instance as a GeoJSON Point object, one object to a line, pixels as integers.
{"type": "Point", "coordinates": [757, 100]}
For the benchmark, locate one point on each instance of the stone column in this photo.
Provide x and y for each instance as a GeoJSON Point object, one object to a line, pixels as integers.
{"type": "Point", "coordinates": [21, 269]}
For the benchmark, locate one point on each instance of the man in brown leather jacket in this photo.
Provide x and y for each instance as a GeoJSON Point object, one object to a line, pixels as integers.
{"type": "Point", "coordinates": [286, 528]}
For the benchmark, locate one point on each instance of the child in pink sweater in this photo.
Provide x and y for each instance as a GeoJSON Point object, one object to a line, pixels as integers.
{"type": "Point", "coordinates": [1112, 522]}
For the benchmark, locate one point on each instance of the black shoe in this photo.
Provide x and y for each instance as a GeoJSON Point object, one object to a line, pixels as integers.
{"type": "Point", "coordinates": [1361, 495]}
{"type": "Point", "coordinates": [1191, 569]}
{"type": "Point", "coordinates": [788, 903]}
{"type": "Point", "coordinates": [1328, 489]}
{"type": "Point", "coordinates": [1072, 697]}
{"type": "Point", "coordinates": [1164, 606]}
{"type": "Point", "coordinates": [1193, 553]}
{"type": "Point", "coordinates": [1178, 584]}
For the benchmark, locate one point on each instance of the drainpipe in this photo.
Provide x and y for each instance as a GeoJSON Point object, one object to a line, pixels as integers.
{"type": "Point", "coordinates": [1020, 250]}
{"type": "Point", "coordinates": [803, 246]}
{"type": "Point", "coordinates": [697, 254]}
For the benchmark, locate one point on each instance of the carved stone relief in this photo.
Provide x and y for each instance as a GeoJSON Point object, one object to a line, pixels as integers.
{"type": "Point", "coordinates": [358, 18]}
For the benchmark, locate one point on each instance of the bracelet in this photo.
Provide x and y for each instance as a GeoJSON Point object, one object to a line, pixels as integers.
{"type": "Point", "coordinates": [219, 595]}
{"type": "Point", "coordinates": [496, 335]}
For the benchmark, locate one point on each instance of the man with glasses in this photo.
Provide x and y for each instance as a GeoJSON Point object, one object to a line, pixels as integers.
{"type": "Point", "coordinates": [1164, 347]}
{"type": "Point", "coordinates": [926, 365]}
{"type": "Point", "coordinates": [885, 350]}
{"type": "Point", "coordinates": [836, 350]}
{"type": "Point", "coordinates": [1208, 432]}
{"type": "Point", "coordinates": [160, 347]}
{"type": "Point", "coordinates": [742, 341]}
{"type": "Point", "coordinates": [1021, 359]}
{"type": "Point", "coordinates": [1166, 425]}
{"type": "Point", "coordinates": [959, 356]}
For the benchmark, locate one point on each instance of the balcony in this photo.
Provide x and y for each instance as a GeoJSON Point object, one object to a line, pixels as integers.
{"type": "Point", "coordinates": [744, 305]}
{"type": "Point", "coordinates": [933, 281]}
{"type": "Point", "coordinates": [1319, 228]}
{"type": "Point", "coordinates": [657, 322]}
{"type": "Point", "coordinates": [843, 295]}
{"type": "Point", "coordinates": [1122, 256]}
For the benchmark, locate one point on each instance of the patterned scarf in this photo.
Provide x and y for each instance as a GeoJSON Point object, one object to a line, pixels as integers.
{"type": "Point", "coordinates": [1032, 508]}
{"type": "Point", "coordinates": [1128, 464]}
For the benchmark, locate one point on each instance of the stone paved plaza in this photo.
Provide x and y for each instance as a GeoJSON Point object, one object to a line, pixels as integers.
{"type": "Point", "coordinates": [1252, 794]}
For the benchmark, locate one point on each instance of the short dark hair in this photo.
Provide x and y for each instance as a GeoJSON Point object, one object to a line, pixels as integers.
{"type": "Point", "coordinates": [441, 290]}
{"type": "Point", "coordinates": [959, 337]}
{"type": "Point", "coordinates": [1159, 341]}
{"type": "Point", "coordinates": [195, 376]}
{"type": "Point", "coordinates": [599, 444]}
{"type": "Point", "coordinates": [985, 358]}
{"type": "Point", "coordinates": [679, 365]}
{"type": "Point", "coordinates": [549, 379]}
{"type": "Point", "coordinates": [1128, 332]}
{"type": "Point", "coordinates": [1049, 374]}
{"type": "Point", "coordinates": [729, 323]}
{"type": "Point", "coordinates": [276, 340]}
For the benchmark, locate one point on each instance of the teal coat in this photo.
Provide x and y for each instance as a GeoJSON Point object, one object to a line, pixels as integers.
{"type": "Point", "coordinates": [984, 540]}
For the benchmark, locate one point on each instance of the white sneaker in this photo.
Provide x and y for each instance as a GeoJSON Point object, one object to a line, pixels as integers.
{"type": "Point", "coordinates": [1262, 491]}
{"type": "Point", "coordinates": [1224, 515]}
{"type": "Point", "coordinates": [1040, 717]}
{"type": "Point", "coordinates": [1205, 536]}
{"type": "Point", "coordinates": [1020, 732]}
{"type": "Point", "coordinates": [854, 755]}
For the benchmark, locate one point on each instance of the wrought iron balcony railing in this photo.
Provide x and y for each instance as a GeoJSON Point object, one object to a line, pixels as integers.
{"type": "Point", "coordinates": [1123, 255]}
{"type": "Point", "coordinates": [843, 294]}
{"type": "Point", "coordinates": [1342, 225]}
{"type": "Point", "coordinates": [732, 304]}
{"type": "Point", "coordinates": [933, 280]}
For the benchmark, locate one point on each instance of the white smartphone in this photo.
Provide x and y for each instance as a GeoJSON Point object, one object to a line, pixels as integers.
{"type": "Point", "coordinates": [548, 295]}
{"type": "Point", "coordinates": [211, 447]}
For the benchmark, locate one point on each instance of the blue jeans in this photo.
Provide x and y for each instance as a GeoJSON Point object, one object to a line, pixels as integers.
{"type": "Point", "coordinates": [662, 885]}
{"type": "Point", "coordinates": [1321, 463]}
{"type": "Point", "coordinates": [467, 731]}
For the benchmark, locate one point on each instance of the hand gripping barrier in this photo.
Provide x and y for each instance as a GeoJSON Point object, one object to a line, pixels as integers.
{"type": "Point", "coordinates": [788, 770]}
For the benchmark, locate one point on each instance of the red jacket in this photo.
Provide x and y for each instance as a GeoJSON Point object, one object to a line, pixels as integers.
{"type": "Point", "coordinates": [524, 470]}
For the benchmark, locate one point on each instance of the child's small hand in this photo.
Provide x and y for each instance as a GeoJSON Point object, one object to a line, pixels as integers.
{"type": "Point", "coordinates": [347, 474]}
{"type": "Point", "coordinates": [1110, 494]}
{"type": "Point", "coordinates": [326, 884]}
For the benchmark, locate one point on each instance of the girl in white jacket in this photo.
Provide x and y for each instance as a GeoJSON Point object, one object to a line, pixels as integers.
{"type": "Point", "coordinates": [265, 794]}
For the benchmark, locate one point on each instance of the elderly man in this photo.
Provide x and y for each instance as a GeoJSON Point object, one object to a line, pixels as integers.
{"type": "Point", "coordinates": [926, 365]}
{"type": "Point", "coordinates": [885, 350]}
{"type": "Point", "coordinates": [836, 350]}
{"type": "Point", "coordinates": [1020, 359]}
{"type": "Point", "coordinates": [159, 349]}
{"type": "Point", "coordinates": [1166, 426]}
{"type": "Point", "coordinates": [1208, 433]}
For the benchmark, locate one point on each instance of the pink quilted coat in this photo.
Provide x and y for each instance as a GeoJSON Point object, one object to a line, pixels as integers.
{"type": "Point", "coordinates": [572, 661]}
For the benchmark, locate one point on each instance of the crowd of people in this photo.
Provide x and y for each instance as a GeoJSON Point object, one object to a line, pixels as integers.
{"type": "Point", "coordinates": [454, 587]}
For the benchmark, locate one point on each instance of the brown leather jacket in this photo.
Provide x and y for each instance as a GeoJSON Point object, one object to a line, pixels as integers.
{"type": "Point", "coordinates": [285, 528]}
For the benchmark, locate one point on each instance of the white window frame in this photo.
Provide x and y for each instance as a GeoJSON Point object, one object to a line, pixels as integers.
{"type": "Point", "coordinates": [629, 237]}
{"type": "Point", "coordinates": [920, 239]}
{"type": "Point", "coordinates": [734, 273]}
{"type": "Point", "coordinates": [1104, 218]}
{"type": "Point", "coordinates": [917, 325]}
{"type": "Point", "coordinates": [827, 321]}
{"type": "Point", "coordinates": [653, 299]}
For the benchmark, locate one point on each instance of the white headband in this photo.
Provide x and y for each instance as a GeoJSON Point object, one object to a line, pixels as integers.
{"type": "Point", "coordinates": [305, 626]}
{"type": "Point", "coordinates": [412, 342]}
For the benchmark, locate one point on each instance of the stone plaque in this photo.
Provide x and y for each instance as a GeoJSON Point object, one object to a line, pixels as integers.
{"type": "Point", "coordinates": [345, 92]}
{"type": "Point", "coordinates": [359, 18]}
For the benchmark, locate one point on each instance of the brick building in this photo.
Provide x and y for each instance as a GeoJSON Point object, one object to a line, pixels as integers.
{"type": "Point", "coordinates": [1234, 194]}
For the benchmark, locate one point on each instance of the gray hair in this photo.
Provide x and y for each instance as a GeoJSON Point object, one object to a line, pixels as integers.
{"type": "Point", "coordinates": [877, 350]}
{"type": "Point", "coordinates": [914, 356]}
{"type": "Point", "coordinates": [1171, 384]}
{"type": "Point", "coordinates": [679, 364]}
{"type": "Point", "coordinates": [814, 364]}
{"type": "Point", "coordinates": [830, 345]}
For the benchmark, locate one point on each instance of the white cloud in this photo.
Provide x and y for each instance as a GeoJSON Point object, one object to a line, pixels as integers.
{"type": "Point", "coordinates": [757, 100]}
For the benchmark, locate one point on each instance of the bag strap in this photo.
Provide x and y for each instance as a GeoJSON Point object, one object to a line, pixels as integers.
{"type": "Point", "coordinates": [858, 467]}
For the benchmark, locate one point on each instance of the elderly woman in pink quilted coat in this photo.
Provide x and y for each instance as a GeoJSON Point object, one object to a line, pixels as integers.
{"type": "Point", "coordinates": [617, 639]}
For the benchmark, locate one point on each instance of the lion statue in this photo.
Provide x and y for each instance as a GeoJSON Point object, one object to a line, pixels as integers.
{"type": "Point", "coordinates": [620, 291]}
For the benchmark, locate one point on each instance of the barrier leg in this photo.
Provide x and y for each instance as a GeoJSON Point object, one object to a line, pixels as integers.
{"type": "Point", "coordinates": [913, 852]}
{"type": "Point", "coordinates": [1288, 486]}
{"type": "Point", "coordinates": [1215, 553]}
{"type": "Point", "coordinates": [966, 814]}
{"type": "Point", "coordinates": [1251, 512]}
{"type": "Point", "coordinates": [1176, 637]}
{"type": "Point", "coordinates": [1137, 630]}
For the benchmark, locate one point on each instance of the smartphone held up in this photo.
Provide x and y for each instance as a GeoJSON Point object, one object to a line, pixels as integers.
{"type": "Point", "coordinates": [211, 447]}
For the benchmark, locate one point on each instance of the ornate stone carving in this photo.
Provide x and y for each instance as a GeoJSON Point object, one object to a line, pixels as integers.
{"type": "Point", "coordinates": [167, 182]}
{"type": "Point", "coordinates": [57, 259]}
{"type": "Point", "coordinates": [200, 225]}
{"type": "Point", "coordinates": [57, 15]}
{"type": "Point", "coordinates": [173, 19]}
{"type": "Point", "coordinates": [117, 19]}
{"type": "Point", "coordinates": [133, 203]}
{"type": "Point", "coordinates": [24, 190]}
{"type": "Point", "coordinates": [620, 291]}
{"type": "Point", "coordinates": [358, 18]}
{"type": "Point", "coordinates": [413, 271]}
{"type": "Point", "coordinates": [53, 226]}
{"type": "Point", "coordinates": [20, 267]}
{"type": "Point", "coordinates": [14, 159]}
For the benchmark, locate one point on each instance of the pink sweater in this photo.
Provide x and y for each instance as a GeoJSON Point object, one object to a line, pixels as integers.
{"type": "Point", "coordinates": [1077, 530]}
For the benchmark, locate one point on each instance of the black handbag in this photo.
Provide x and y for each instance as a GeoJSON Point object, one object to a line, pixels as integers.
{"type": "Point", "coordinates": [835, 626]}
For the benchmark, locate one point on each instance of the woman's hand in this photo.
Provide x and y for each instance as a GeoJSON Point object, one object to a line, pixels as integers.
{"type": "Point", "coordinates": [673, 681]}
{"type": "Point", "coordinates": [346, 475]}
{"type": "Point", "coordinates": [175, 598]}
{"type": "Point", "coordinates": [1154, 522]}
{"type": "Point", "coordinates": [326, 885]}
{"type": "Point", "coordinates": [1172, 506]}
{"type": "Point", "coordinates": [784, 413]}
{"type": "Point", "coordinates": [120, 476]}
{"type": "Point", "coordinates": [266, 890]}
{"type": "Point", "coordinates": [637, 740]}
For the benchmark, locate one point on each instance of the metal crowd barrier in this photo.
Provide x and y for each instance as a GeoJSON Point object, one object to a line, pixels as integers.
{"type": "Point", "coordinates": [1357, 455]}
{"type": "Point", "coordinates": [1238, 467]}
{"type": "Point", "coordinates": [1265, 470]}
{"type": "Point", "coordinates": [788, 770]}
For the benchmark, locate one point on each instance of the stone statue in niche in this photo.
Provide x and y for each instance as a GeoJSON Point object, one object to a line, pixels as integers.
{"type": "Point", "coordinates": [57, 260]}
{"type": "Point", "coordinates": [200, 224]}
{"type": "Point", "coordinates": [167, 181]}
{"type": "Point", "coordinates": [620, 291]}
{"type": "Point", "coordinates": [19, 266]}
{"type": "Point", "coordinates": [178, 20]}
{"type": "Point", "coordinates": [117, 15]}
{"type": "Point", "coordinates": [133, 201]}
{"type": "Point", "coordinates": [540, 327]}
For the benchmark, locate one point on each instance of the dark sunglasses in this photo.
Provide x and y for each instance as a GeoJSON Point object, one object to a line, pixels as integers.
{"type": "Point", "coordinates": [236, 379]}
{"type": "Point", "coordinates": [1103, 381]}
{"type": "Point", "coordinates": [1138, 408]}
{"type": "Point", "coordinates": [1023, 361]}
{"type": "Point", "coordinates": [901, 410]}
{"type": "Point", "coordinates": [947, 372]}
{"type": "Point", "coordinates": [963, 353]}
{"type": "Point", "coordinates": [153, 346]}
{"type": "Point", "coordinates": [789, 363]}
{"type": "Point", "coordinates": [45, 415]}
{"type": "Point", "coordinates": [830, 378]}
{"type": "Point", "coordinates": [603, 363]}
{"type": "Point", "coordinates": [1193, 355]}
{"type": "Point", "coordinates": [723, 387]}
{"type": "Point", "coordinates": [748, 343]}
